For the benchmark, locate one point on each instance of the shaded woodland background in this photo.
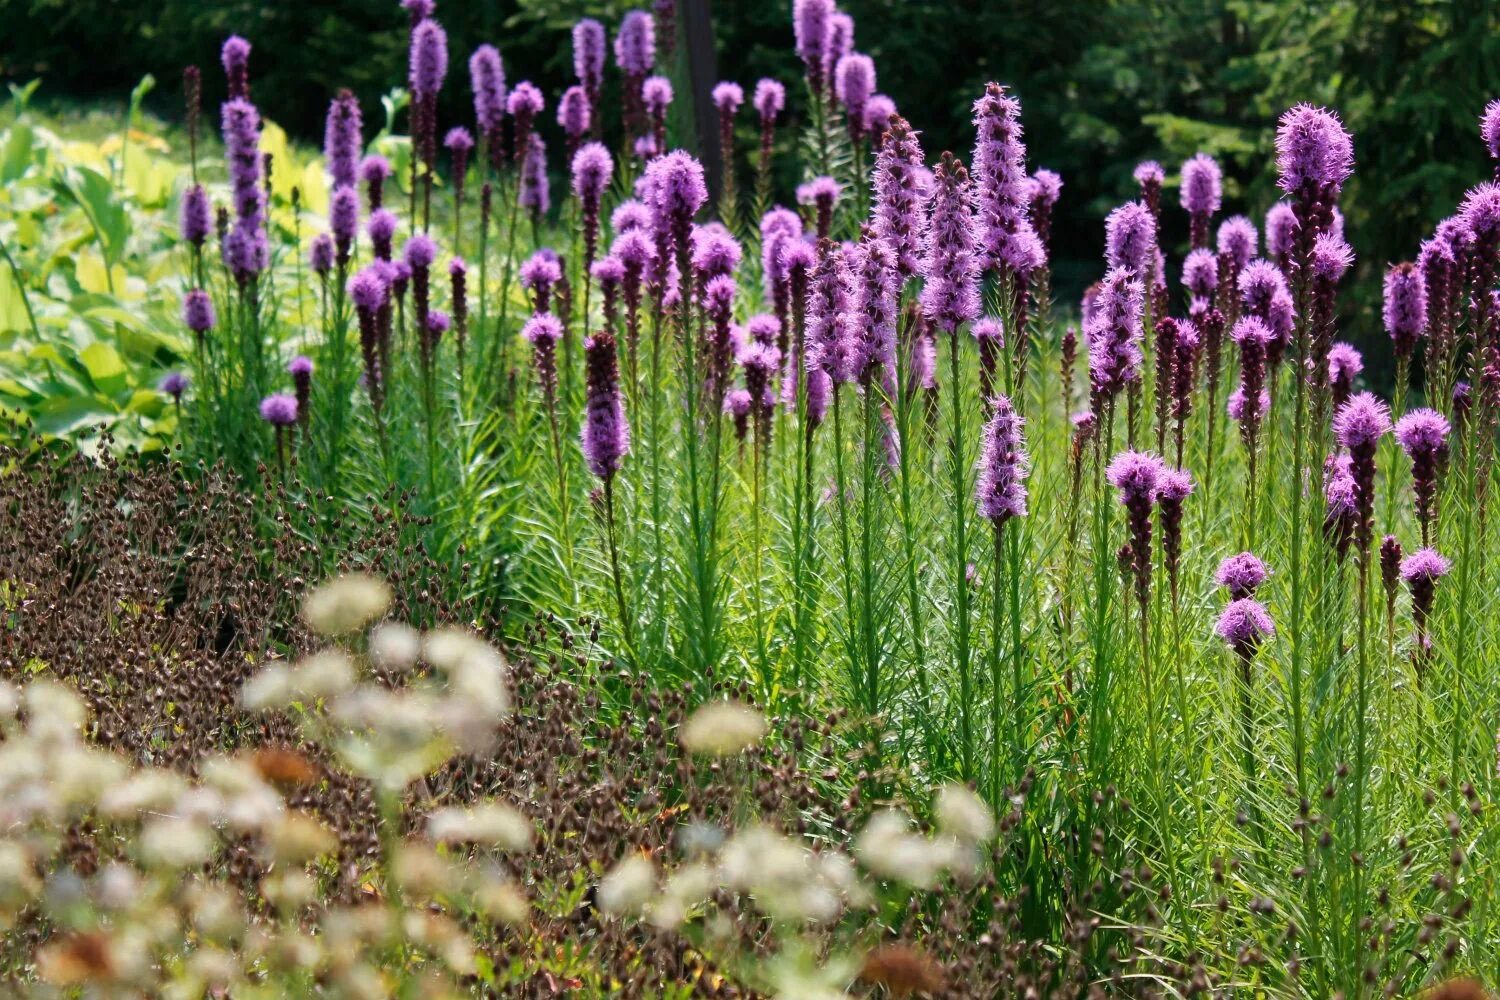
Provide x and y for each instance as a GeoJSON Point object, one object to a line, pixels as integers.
{"type": "Point", "coordinates": [1104, 84]}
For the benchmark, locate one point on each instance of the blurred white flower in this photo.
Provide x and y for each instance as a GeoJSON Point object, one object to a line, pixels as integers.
{"type": "Point", "coordinates": [722, 728]}
{"type": "Point", "coordinates": [346, 604]}
{"type": "Point", "coordinates": [626, 888]}
{"type": "Point", "coordinates": [491, 823]}
{"type": "Point", "coordinates": [394, 646]}
{"type": "Point", "coordinates": [963, 814]}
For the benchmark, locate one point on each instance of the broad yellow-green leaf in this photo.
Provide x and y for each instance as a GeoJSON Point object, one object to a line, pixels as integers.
{"type": "Point", "coordinates": [315, 188]}
{"type": "Point", "coordinates": [104, 365]}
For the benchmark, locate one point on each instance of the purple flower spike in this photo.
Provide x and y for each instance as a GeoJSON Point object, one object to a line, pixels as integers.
{"type": "Point", "coordinates": [605, 437]}
{"type": "Point", "coordinates": [728, 97]}
{"type": "Point", "coordinates": [822, 193]}
{"type": "Point", "coordinates": [535, 189]}
{"type": "Point", "coordinates": [320, 254]}
{"type": "Point", "coordinates": [876, 302]}
{"type": "Point", "coordinates": [1281, 230]}
{"type": "Point", "coordinates": [1405, 308]}
{"type": "Point", "coordinates": [950, 297]}
{"type": "Point", "coordinates": [1238, 241]}
{"type": "Point", "coordinates": [235, 57]}
{"type": "Point", "coordinates": [279, 410]}
{"type": "Point", "coordinates": [1241, 575]}
{"type": "Point", "coordinates": [1113, 333]}
{"type": "Point", "coordinates": [588, 56]}
{"type": "Point", "coordinates": [173, 384]}
{"type": "Point", "coordinates": [1000, 490]}
{"type": "Point", "coordinates": [1361, 422]}
{"type": "Point", "coordinates": [899, 197]}
{"type": "Point", "coordinates": [1423, 435]}
{"type": "Point", "coordinates": [676, 193]}
{"type": "Point", "coordinates": [1202, 194]}
{"type": "Point", "coordinates": [770, 99]}
{"type": "Point", "coordinates": [487, 80]}
{"type": "Point", "coordinates": [195, 216]}
{"type": "Point", "coordinates": [1200, 272]}
{"type": "Point", "coordinates": [342, 139]}
{"type": "Point", "coordinates": [635, 44]}
{"type": "Point", "coordinates": [429, 58]}
{"type": "Point", "coordinates": [1149, 175]}
{"type": "Point", "coordinates": [1358, 427]}
{"type": "Point", "coordinates": [1138, 477]}
{"type": "Point", "coordinates": [1344, 366]}
{"type": "Point", "coordinates": [1130, 238]}
{"type": "Point", "coordinates": [810, 26]}
{"type": "Point", "coordinates": [854, 83]}
{"type": "Point", "coordinates": [1422, 570]}
{"type": "Point", "coordinates": [198, 311]}
{"type": "Point", "coordinates": [574, 114]}
{"type": "Point", "coordinates": [1244, 625]}
{"type": "Point", "coordinates": [543, 332]}
{"type": "Point", "coordinates": [1002, 191]}
{"type": "Point", "coordinates": [1313, 150]}
{"type": "Point", "coordinates": [343, 220]}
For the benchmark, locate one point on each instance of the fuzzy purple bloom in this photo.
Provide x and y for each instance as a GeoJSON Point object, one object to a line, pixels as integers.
{"type": "Point", "coordinates": [1244, 625]}
{"type": "Point", "coordinates": [1136, 475]}
{"type": "Point", "coordinates": [343, 219]}
{"type": "Point", "coordinates": [198, 311]}
{"type": "Point", "coordinates": [728, 97]}
{"type": "Point", "coordinates": [1202, 186]}
{"type": "Point", "coordinates": [1405, 307]}
{"type": "Point", "coordinates": [880, 111]}
{"type": "Point", "coordinates": [1264, 293]}
{"type": "Point", "coordinates": [1331, 258]}
{"type": "Point", "coordinates": [1238, 241]}
{"type": "Point", "coordinates": [320, 254]}
{"type": "Point", "coordinates": [429, 58]}
{"type": "Point", "coordinates": [1423, 435]}
{"type": "Point", "coordinates": [235, 57]}
{"type": "Point", "coordinates": [1313, 149]}
{"type": "Point", "coordinates": [1424, 565]}
{"type": "Point", "coordinates": [1281, 230]}
{"type": "Point", "coordinates": [605, 437]}
{"type": "Point", "coordinates": [535, 188]}
{"type": "Point", "coordinates": [279, 410]}
{"type": "Point", "coordinates": [1344, 366]}
{"type": "Point", "coordinates": [1130, 238]}
{"type": "Point", "coordinates": [1113, 333]}
{"type": "Point", "coordinates": [950, 296]}
{"type": "Point", "coordinates": [543, 332]}
{"type": "Point", "coordinates": [1200, 272]}
{"type": "Point", "coordinates": [635, 44]}
{"type": "Point", "coordinates": [382, 232]}
{"type": "Point", "coordinates": [899, 197]}
{"type": "Point", "coordinates": [588, 56]}
{"type": "Point", "coordinates": [854, 84]}
{"type": "Point", "coordinates": [195, 218]}
{"type": "Point", "coordinates": [676, 191]}
{"type": "Point", "coordinates": [342, 139]}
{"type": "Point", "coordinates": [173, 384]}
{"type": "Point", "coordinates": [1361, 422]}
{"type": "Point", "coordinates": [1241, 575]}
{"type": "Point", "coordinates": [1000, 488]}
{"type": "Point", "coordinates": [487, 80]}
{"type": "Point", "coordinates": [1002, 196]}
{"type": "Point", "coordinates": [876, 302]}
{"type": "Point", "coordinates": [810, 28]}
{"type": "Point", "coordinates": [770, 99]}
{"type": "Point", "coordinates": [656, 95]}
{"type": "Point", "coordinates": [829, 322]}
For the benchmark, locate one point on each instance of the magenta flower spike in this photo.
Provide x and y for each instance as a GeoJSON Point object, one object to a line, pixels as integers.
{"type": "Point", "coordinates": [854, 85]}
{"type": "Point", "coordinates": [1423, 435]}
{"type": "Point", "coordinates": [1244, 625]}
{"type": "Point", "coordinates": [1202, 194]}
{"type": "Point", "coordinates": [1000, 488]}
{"type": "Point", "coordinates": [1007, 243]}
{"type": "Point", "coordinates": [1358, 426]}
{"type": "Point", "coordinates": [1130, 239]}
{"type": "Point", "coordinates": [487, 81]}
{"type": "Point", "coordinates": [605, 437]}
{"type": "Point", "coordinates": [1241, 575]}
{"type": "Point", "coordinates": [343, 140]}
{"type": "Point", "coordinates": [900, 196]}
{"type": "Point", "coordinates": [950, 297]}
{"type": "Point", "coordinates": [1405, 307]}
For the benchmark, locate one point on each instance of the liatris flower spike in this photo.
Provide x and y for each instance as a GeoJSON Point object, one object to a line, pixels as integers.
{"type": "Point", "coordinates": [588, 59]}
{"type": "Point", "coordinates": [810, 26]}
{"type": "Point", "coordinates": [198, 312]}
{"type": "Point", "coordinates": [1422, 570]}
{"type": "Point", "coordinates": [487, 81]}
{"type": "Point", "coordinates": [1000, 489]}
{"type": "Point", "coordinates": [300, 369]}
{"type": "Point", "coordinates": [822, 194]}
{"type": "Point", "coordinates": [279, 410]}
{"type": "Point", "coordinates": [235, 57]}
{"type": "Point", "coordinates": [854, 84]}
{"type": "Point", "coordinates": [1149, 175]}
{"type": "Point", "coordinates": [1405, 308]}
{"type": "Point", "coordinates": [1314, 152]}
{"type": "Point", "coordinates": [900, 196]}
{"type": "Point", "coordinates": [1245, 625]}
{"type": "Point", "coordinates": [1358, 427]}
{"type": "Point", "coordinates": [1130, 238]}
{"type": "Point", "coordinates": [1344, 366]}
{"type": "Point", "coordinates": [1202, 194]}
{"type": "Point", "coordinates": [1173, 487]}
{"type": "Point", "coordinates": [543, 332]}
{"type": "Point", "coordinates": [320, 255]}
{"type": "Point", "coordinates": [173, 384]}
{"type": "Point", "coordinates": [195, 219]}
{"type": "Point", "coordinates": [605, 437]}
{"type": "Point", "coordinates": [1002, 191]}
{"type": "Point", "coordinates": [592, 168]}
{"type": "Point", "coordinates": [1341, 503]}
{"type": "Point", "coordinates": [1241, 575]}
{"type": "Point", "coordinates": [1390, 571]}
{"type": "Point", "coordinates": [1423, 435]}
{"type": "Point", "coordinates": [950, 296]}
{"type": "Point", "coordinates": [1137, 476]}
{"type": "Point", "coordinates": [342, 140]}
